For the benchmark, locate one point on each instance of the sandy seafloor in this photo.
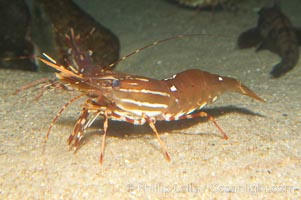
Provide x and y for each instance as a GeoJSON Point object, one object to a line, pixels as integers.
{"type": "Point", "coordinates": [260, 160]}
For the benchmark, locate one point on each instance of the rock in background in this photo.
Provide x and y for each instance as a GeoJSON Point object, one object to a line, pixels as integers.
{"type": "Point", "coordinates": [14, 35]}
{"type": "Point", "coordinates": [53, 19]}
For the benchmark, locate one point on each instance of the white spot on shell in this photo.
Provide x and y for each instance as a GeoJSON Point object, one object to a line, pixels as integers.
{"type": "Point", "coordinates": [173, 88]}
{"type": "Point", "coordinates": [81, 57]}
{"type": "Point", "coordinates": [172, 77]}
{"type": "Point", "coordinates": [220, 78]}
{"type": "Point", "coordinates": [167, 116]}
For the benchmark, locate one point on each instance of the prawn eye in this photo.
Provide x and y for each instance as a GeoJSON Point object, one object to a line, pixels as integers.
{"type": "Point", "coordinates": [115, 83]}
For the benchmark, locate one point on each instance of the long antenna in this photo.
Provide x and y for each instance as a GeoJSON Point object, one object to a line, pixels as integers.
{"type": "Point", "coordinates": [159, 42]}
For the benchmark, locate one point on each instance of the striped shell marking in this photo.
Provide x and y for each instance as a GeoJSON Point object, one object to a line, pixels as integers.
{"type": "Point", "coordinates": [136, 95]}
